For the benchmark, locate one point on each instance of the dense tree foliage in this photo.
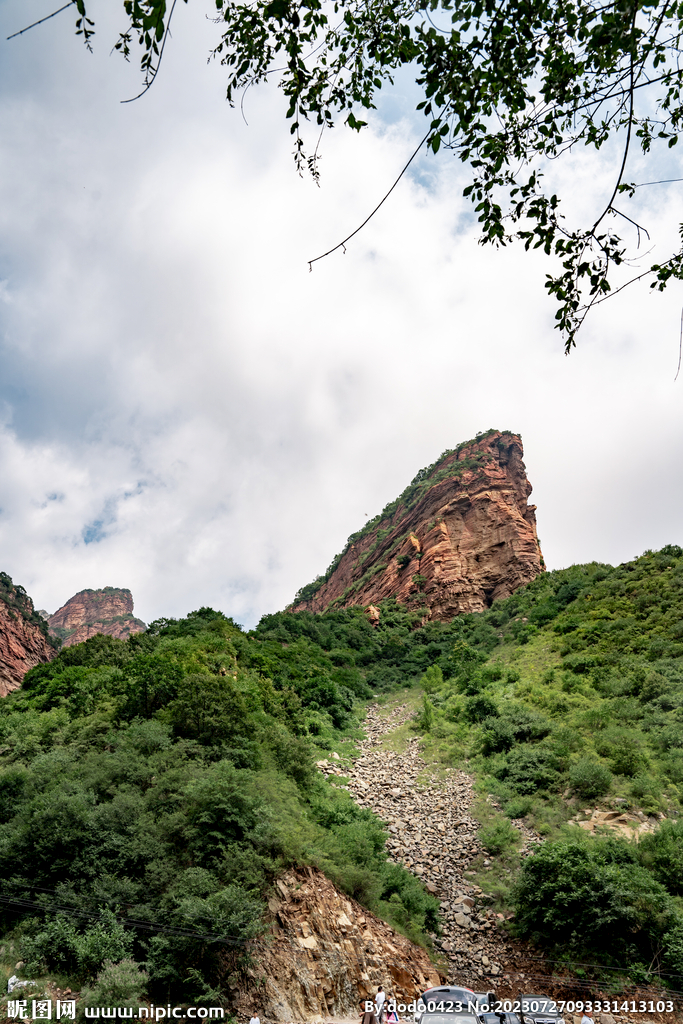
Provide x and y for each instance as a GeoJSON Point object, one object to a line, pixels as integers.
{"type": "Point", "coordinates": [507, 85]}
{"type": "Point", "coordinates": [594, 896]}
{"type": "Point", "coordinates": [152, 790]}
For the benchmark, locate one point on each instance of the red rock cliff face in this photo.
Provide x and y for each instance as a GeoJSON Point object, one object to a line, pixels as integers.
{"type": "Point", "coordinates": [23, 643]}
{"type": "Point", "coordinates": [89, 612]}
{"type": "Point", "coordinates": [460, 537]}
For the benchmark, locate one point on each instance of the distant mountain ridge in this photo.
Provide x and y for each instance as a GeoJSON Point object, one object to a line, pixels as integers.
{"type": "Point", "coordinates": [108, 611]}
{"type": "Point", "coordinates": [460, 536]}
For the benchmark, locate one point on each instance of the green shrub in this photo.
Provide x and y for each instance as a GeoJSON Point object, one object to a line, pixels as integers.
{"type": "Point", "coordinates": [360, 883]}
{"type": "Point", "coordinates": [499, 836]}
{"type": "Point", "coordinates": [399, 886]}
{"type": "Point", "coordinates": [491, 673]}
{"type": "Point", "coordinates": [593, 895]}
{"type": "Point", "coordinates": [662, 853]}
{"type": "Point", "coordinates": [580, 663]}
{"type": "Point", "coordinates": [121, 984]}
{"type": "Point", "coordinates": [647, 790]}
{"type": "Point", "coordinates": [480, 707]}
{"type": "Point", "coordinates": [589, 778]}
{"type": "Point", "coordinates": [426, 717]}
{"type": "Point", "coordinates": [514, 724]}
{"type": "Point", "coordinates": [518, 807]}
{"type": "Point", "coordinates": [291, 754]}
{"type": "Point", "coordinates": [627, 759]}
{"type": "Point", "coordinates": [432, 680]}
{"type": "Point", "coordinates": [60, 946]}
{"type": "Point", "coordinates": [527, 769]}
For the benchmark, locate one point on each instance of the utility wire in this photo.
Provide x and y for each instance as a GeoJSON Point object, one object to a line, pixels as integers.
{"type": "Point", "coordinates": [149, 926]}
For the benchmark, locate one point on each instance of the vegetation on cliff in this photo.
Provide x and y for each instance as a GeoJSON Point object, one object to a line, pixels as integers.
{"type": "Point", "coordinates": [18, 601]}
{"type": "Point", "coordinates": [107, 610]}
{"type": "Point", "coordinates": [151, 790]}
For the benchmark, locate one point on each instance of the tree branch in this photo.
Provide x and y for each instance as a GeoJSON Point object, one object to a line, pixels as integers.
{"type": "Point", "coordinates": [40, 22]}
{"type": "Point", "coordinates": [340, 245]}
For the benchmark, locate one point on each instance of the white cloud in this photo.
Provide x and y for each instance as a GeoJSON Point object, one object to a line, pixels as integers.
{"type": "Point", "coordinates": [212, 418]}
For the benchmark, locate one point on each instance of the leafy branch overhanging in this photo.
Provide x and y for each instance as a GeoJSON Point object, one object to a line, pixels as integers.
{"type": "Point", "coordinates": [506, 85]}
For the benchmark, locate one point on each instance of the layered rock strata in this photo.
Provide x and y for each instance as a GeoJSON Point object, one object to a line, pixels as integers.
{"type": "Point", "coordinates": [24, 640]}
{"type": "Point", "coordinates": [325, 953]}
{"type": "Point", "coordinates": [108, 611]}
{"type": "Point", "coordinates": [461, 536]}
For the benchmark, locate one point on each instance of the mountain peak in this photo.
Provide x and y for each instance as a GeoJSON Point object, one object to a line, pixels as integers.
{"type": "Point", "coordinates": [459, 537]}
{"type": "Point", "coordinates": [108, 611]}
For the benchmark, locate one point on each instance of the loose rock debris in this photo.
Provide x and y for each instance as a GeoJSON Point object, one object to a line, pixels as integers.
{"type": "Point", "coordinates": [325, 952]}
{"type": "Point", "coordinates": [434, 835]}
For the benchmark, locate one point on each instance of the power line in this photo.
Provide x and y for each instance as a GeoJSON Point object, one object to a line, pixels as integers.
{"type": "Point", "coordinates": [130, 922]}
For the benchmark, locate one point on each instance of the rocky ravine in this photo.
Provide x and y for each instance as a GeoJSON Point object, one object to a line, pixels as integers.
{"type": "Point", "coordinates": [23, 636]}
{"type": "Point", "coordinates": [434, 836]}
{"type": "Point", "coordinates": [461, 536]}
{"type": "Point", "coordinates": [90, 612]}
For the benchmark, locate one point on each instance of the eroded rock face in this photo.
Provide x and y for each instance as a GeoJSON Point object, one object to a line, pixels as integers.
{"type": "Point", "coordinates": [23, 636]}
{"type": "Point", "coordinates": [326, 953]}
{"type": "Point", "coordinates": [108, 611]}
{"type": "Point", "coordinates": [461, 536]}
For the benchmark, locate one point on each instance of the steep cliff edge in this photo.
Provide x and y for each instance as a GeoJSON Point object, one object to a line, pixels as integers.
{"type": "Point", "coordinates": [89, 612]}
{"type": "Point", "coordinates": [459, 537]}
{"type": "Point", "coordinates": [325, 953]}
{"type": "Point", "coordinates": [24, 638]}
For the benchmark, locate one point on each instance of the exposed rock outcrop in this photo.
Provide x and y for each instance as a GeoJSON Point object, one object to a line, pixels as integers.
{"type": "Point", "coordinates": [24, 639]}
{"type": "Point", "coordinates": [326, 953]}
{"type": "Point", "coordinates": [459, 537]}
{"type": "Point", "coordinates": [89, 612]}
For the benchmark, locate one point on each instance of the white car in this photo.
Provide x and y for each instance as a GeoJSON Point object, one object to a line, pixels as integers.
{"type": "Point", "coordinates": [445, 999]}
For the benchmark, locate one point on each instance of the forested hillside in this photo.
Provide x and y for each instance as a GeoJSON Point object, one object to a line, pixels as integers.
{"type": "Point", "coordinates": [164, 782]}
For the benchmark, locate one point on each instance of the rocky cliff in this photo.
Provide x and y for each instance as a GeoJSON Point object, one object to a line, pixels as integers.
{"type": "Point", "coordinates": [24, 638]}
{"type": "Point", "coordinates": [459, 537]}
{"type": "Point", "coordinates": [325, 953]}
{"type": "Point", "coordinates": [109, 611]}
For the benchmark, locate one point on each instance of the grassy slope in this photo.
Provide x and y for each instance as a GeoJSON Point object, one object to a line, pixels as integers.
{"type": "Point", "coordinates": [565, 696]}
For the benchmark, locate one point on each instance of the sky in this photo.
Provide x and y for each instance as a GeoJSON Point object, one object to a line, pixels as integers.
{"type": "Point", "coordinates": [187, 411]}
